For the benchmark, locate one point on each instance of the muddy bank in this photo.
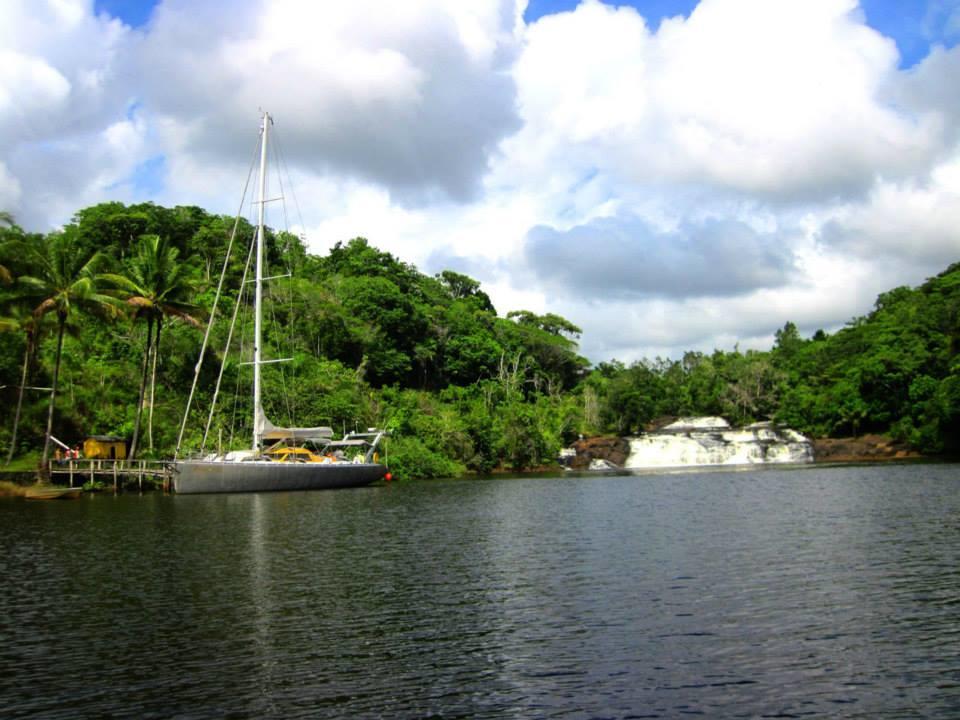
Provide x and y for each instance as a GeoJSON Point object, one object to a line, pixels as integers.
{"type": "Point", "coordinates": [866, 448]}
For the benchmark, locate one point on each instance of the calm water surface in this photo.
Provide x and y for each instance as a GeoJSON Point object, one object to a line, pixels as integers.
{"type": "Point", "coordinates": [818, 592]}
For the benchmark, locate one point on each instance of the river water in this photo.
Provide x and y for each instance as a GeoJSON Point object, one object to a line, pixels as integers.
{"type": "Point", "coordinates": [813, 592]}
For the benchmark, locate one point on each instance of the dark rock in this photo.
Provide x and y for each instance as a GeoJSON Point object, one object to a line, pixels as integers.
{"type": "Point", "coordinates": [868, 448]}
{"type": "Point", "coordinates": [609, 448]}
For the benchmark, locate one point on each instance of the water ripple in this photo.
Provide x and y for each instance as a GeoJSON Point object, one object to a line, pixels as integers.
{"type": "Point", "coordinates": [814, 593]}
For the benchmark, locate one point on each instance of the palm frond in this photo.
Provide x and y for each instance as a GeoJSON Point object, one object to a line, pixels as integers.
{"type": "Point", "coordinates": [45, 307]}
{"type": "Point", "coordinates": [119, 283]}
{"type": "Point", "coordinates": [140, 302]}
{"type": "Point", "coordinates": [181, 314]}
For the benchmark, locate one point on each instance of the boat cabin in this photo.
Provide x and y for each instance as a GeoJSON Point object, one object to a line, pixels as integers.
{"type": "Point", "coordinates": [286, 453]}
{"type": "Point", "coordinates": [105, 447]}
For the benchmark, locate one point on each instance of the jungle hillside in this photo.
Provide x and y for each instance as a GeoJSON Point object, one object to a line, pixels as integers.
{"type": "Point", "coordinates": [102, 323]}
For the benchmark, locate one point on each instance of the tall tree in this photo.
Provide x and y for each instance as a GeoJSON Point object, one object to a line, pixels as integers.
{"type": "Point", "coordinates": [29, 325]}
{"type": "Point", "coordinates": [8, 235]}
{"type": "Point", "coordinates": [13, 319]}
{"type": "Point", "coordinates": [156, 285]}
{"type": "Point", "coordinates": [62, 277]}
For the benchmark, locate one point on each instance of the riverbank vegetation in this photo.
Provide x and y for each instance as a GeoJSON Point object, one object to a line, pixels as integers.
{"type": "Point", "coordinates": [376, 342]}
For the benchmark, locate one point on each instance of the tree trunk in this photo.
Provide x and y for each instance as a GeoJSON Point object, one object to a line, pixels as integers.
{"type": "Point", "coordinates": [16, 416]}
{"type": "Point", "coordinates": [45, 459]}
{"type": "Point", "coordinates": [143, 387]}
{"type": "Point", "coordinates": [153, 383]}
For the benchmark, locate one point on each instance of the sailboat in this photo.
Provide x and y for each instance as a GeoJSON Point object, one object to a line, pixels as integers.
{"type": "Point", "coordinates": [349, 462]}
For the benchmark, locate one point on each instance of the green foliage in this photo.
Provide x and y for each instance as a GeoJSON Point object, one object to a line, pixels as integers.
{"type": "Point", "coordinates": [61, 277]}
{"type": "Point", "coordinates": [547, 344]}
{"type": "Point", "coordinates": [376, 342]}
{"type": "Point", "coordinates": [411, 458]}
{"type": "Point", "coordinates": [155, 286]}
{"type": "Point", "coordinates": [462, 287]}
{"type": "Point", "coordinates": [893, 371]}
{"type": "Point", "coordinates": [373, 340]}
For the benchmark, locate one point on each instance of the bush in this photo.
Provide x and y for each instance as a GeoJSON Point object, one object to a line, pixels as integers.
{"type": "Point", "coordinates": [409, 458]}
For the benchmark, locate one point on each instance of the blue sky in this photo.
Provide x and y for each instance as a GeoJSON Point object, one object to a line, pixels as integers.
{"type": "Point", "coordinates": [915, 25]}
{"type": "Point", "coordinates": [133, 12]}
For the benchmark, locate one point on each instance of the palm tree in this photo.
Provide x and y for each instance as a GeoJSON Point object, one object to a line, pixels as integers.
{"type": "Point", "coordinates": [8, 236]}
{"type": "Point", "coordinates": [17, 316]}
{"type": "Point", "coordinates": [29, 325]}
{"type": "Point", "coordinates": [60, 277]}
{"type": "Point", "coordinates": [156, 286]}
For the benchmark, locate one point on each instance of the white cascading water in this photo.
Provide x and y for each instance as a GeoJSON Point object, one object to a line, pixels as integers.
{"type": "Point", "coordinates": [711, 441]}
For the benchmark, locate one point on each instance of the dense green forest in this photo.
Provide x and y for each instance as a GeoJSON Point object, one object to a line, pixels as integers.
{"type": "Point", "coordinates": [111, 311]}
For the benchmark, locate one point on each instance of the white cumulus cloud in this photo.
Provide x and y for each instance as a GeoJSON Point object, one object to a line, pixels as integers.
{"type": "Point", "coordinates": [692, 184]}
{"type": "Point", "coordinates": [412, 96]}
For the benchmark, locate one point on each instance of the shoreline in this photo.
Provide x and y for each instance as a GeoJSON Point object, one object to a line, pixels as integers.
{"type": "Point", "coordinates": [864, 448]}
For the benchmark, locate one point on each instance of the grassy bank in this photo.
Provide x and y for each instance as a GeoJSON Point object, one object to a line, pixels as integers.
{"type": "Point", "coordinates": [12, 489]}
{"type": "Point", "coordinates": [26, 463]}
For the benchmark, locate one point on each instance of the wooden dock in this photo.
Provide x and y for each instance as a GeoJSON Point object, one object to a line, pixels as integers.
{"type": "Point", "coordinates": [81, 470]}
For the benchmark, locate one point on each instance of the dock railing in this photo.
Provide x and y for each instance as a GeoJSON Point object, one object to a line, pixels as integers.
{"type": "Point", "coordinates": [80, 470]}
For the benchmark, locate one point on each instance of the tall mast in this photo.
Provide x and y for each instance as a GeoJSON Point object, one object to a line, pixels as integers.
{"type": "Point", "coordinates": [258, 293]}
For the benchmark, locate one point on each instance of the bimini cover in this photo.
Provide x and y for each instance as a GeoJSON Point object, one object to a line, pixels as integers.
{"type": "Point", "coordinates": [270, 432]}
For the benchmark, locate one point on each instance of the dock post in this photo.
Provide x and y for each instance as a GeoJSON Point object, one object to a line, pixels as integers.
{"type": "Point", "coordinates": [91, 473]}
{"type": "Point", "coordinates": [70, 463]}
{"type": "Point", "coordinates": [114, 473]}
{"type": "Point", "coordinates": [140, 476]}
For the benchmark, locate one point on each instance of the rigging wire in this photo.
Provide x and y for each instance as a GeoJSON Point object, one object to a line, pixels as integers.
{"type": "Point", "coordinates": [270, 308]}
{"type": "Point", "coordinates": [277, 349]}
{"type": "Point", "coordinates": [244, 322]}
{"type": "Point", "coordinates": [282, 165]}
{"type": "Point", "coordinates": [226, 350]}
{"type": "Point", "coordinates": [243, 302]}
{"type": "Point", "coordinates": [213, 310]}
{"type": "Point", "coordinates": [247, 298]}
{"type": "Point", "coordinates": [289, 398]}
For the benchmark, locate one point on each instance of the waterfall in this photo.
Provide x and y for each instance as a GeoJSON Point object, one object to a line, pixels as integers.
{"type": "Point", "coordinates": [711, 441]}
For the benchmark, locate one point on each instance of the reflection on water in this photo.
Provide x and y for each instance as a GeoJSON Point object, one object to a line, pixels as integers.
{"type": "Point", "coordinates": [789, 593]}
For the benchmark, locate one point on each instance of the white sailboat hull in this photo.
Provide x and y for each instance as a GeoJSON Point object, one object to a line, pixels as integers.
{"type": "Point", "coordinates": [197, 476]}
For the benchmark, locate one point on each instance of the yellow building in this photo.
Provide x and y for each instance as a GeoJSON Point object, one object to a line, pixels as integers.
{"type": "Point", "coordinates": [105, 447]}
